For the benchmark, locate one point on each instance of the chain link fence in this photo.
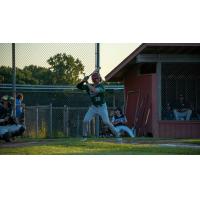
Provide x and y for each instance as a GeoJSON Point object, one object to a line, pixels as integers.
{"type": "Point", "coordinates": [58, 122]}
{"type": "Point", "coordinates": [38, 53]}
{"type": "Point", "coordinates": [50, 111]}
{"type": "Point", "coordinates": [182, 79]}
{"type": "Point", "coordinates": [46, 63]}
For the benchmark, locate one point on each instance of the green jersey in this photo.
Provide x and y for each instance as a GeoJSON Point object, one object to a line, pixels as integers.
{"type": "Point", "coordinates": [97, 98]}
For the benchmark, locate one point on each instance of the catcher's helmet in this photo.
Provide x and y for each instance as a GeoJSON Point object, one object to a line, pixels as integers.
{"type": "Point", "coordinates": [7, 98]}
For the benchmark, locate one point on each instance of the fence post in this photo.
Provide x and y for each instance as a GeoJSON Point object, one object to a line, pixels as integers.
{"type": "Point", "coordinates": [97, 126]}
{"type": "Point", "coordinates": [37, 120]}
{"type": "Point", "coordinates": [64, 120]}
{"type": "Point", "coordinates": [67, 121]}
{"type": "Point", "coordinates": [50, 120]}
{"type": "Point", "coordinates": [78, 124]}
{"type": "Point", "coordinates": [94, 132]}
{"type": "Point", "coordinates": [14, 78]}
{"type": "Point", "coordinates": [24, 110]}
{"type": "Point", "coordinates": [89, 128]}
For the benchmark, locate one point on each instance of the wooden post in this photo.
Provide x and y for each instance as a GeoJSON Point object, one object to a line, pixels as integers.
{"type": "Point", "coordinates": [176, 82]}
{"type": "Point", "coordinates": [196, 94]}
{"type": "Point", "coordinates": [159, 89]}
{"type": "Point", "coordinates": [114, 100]}
{"type": "Point", "coordinates": [166, 94]}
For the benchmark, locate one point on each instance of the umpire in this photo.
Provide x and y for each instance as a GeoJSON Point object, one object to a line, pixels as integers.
{"type": "Point", "coordinates": [96, 91]}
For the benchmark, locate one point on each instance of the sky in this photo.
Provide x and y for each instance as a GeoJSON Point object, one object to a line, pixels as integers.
{"type": "Point", "coordinates": [111, 54]}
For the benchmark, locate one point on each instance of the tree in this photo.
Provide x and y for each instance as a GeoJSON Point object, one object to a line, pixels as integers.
{"type": "Point", "coordinates": [39, 75]}
{"type": "Point", "coordinates": [31, 74]}
{"type": "Point", "coordinates": [5, 74]}
{"type": "Point", "coordinates": [65, 68]}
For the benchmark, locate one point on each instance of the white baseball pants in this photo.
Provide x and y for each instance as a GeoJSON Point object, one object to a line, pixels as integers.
{"type": "Point", "coordinates": [102, 111]}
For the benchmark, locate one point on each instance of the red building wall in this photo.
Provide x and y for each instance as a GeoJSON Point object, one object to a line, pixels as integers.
{"type": "Point", "coordinates": [179, 129]}
{"type": "Point", "coordinates": [141, 99]}
{"type": "Point", "coordinates": [139, 105]}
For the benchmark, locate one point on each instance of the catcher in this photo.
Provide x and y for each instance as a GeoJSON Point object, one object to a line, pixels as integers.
{"type": "Point", "coordinates": [96, 91]}
{"type": "Point", "coordinates": [8, 126]}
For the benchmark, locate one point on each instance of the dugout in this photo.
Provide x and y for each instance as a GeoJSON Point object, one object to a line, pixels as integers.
{"type": "Point", "coordinates": [153, 76]}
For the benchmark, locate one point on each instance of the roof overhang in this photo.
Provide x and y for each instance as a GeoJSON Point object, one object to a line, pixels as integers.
{"type": "Point", "coordinates": [117, 73]}
{"type": "Point", "coordinates": [154, 52]}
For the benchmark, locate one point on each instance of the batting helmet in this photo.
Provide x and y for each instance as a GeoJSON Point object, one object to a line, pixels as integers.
{"type": "Point", "coordinates": [96, 75]}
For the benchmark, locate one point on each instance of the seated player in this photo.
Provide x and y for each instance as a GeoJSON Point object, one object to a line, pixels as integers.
{"type": "Point", "coordinates": [119, 121]}
{"type": "Point", "coordinates": [168, 112]}
{"type": "Point", "coordinates": [182, 109]}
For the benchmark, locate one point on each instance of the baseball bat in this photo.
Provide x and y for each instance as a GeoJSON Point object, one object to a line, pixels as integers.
{"type": "Point", "coordinates": [97, 70]}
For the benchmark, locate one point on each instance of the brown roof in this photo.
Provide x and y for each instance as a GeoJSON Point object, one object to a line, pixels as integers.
{"type": "Point", "coordinates": [151, 48]}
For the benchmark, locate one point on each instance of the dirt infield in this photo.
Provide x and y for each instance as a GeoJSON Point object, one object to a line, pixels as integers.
{"type": "Point", "coordinates": [21, 143]}
{"type": "Point", "coordinates": [136, 141]}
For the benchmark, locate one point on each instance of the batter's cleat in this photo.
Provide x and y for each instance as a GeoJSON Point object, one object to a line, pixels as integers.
{"type": "Point", "coordinates": [133, 132]}
{"type": "Point", "coordinates": [118, 140]}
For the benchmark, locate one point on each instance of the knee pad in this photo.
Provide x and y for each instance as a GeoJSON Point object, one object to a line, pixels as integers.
{"type": "Point", "coordinates": [19, 131]}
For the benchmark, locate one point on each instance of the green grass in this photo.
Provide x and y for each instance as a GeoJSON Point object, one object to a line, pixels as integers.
{"type": "Point", "coordinates": [73, 146]}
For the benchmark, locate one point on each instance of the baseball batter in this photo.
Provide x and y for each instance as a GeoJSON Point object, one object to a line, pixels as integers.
{"type": "Point", "coordinates": [96, 91]}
